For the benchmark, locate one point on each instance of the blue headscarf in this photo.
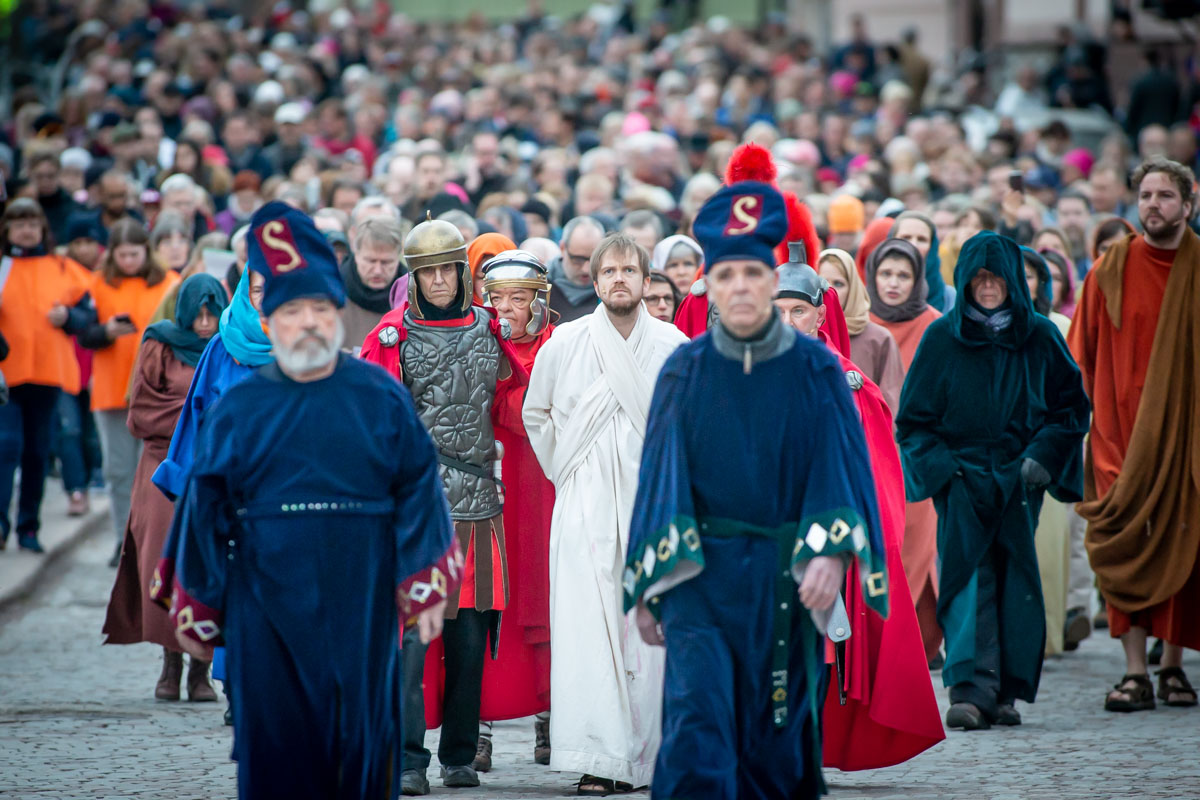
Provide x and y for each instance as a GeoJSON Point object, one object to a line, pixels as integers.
{"type": "Point", "coordinates": [241, 328]}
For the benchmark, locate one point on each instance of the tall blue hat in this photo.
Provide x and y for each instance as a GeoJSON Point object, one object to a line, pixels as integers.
{"type": "Point", "coordinates": [287, 249]}
{"type": "Point", "coordinates": [743, 220]}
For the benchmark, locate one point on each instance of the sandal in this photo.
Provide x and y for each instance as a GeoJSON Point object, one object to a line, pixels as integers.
{"type": "Point", "coordinates": [591, 786]}
{"type": "Point", "coordinates": [1141, 694]}
{"type": "Point", "coordinates": [1172, 681]}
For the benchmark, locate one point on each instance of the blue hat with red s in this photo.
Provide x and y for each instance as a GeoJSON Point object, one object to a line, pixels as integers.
{"type": "Point", "coordinates": [287, 249]}
{"type": "Point", "coordinates": [745, 220]}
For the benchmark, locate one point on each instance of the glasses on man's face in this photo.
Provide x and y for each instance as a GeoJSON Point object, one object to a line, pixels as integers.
{"type": "Point", "coordinates": [579, 261]}
{"type": "Point", "coordinates": [659, 299]}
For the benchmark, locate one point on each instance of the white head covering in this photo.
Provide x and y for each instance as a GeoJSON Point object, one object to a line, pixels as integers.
{"type": "Point", "coordinates": [662, 250]}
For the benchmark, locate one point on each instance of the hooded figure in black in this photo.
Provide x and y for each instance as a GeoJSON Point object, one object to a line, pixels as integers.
{"type": "Point", "coordinates": [993, 413]}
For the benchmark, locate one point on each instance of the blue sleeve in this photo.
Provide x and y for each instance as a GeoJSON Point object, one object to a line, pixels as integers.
{"type": "Point", "coordinates": [171, 475]}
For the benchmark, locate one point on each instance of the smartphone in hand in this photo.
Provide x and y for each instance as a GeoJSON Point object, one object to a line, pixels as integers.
{"type": "Point", "coordinates": [1016, 181]}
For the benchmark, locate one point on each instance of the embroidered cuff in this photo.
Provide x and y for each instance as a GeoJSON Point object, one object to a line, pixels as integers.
{"type": "Point", "coordinates": [160, 583]}
{"type": "Point", "coordinates": [192, 618]}
{"type": "Point", "coordinates": [844, 532]}
{"type": "Point", "coordinates": [659, 567]}
{"type": "Point", "coordinates": [431, 585]}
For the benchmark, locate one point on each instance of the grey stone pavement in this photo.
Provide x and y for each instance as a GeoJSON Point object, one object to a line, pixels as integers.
{"type": "Point", "coordinates": [78, 720]}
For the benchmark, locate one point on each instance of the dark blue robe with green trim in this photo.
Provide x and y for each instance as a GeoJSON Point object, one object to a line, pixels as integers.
{"type": "Point", "coordinates": [307, 508]}
{"type": "Point", "coordinates": [975, 405]}
{"type": "Point", "coordinates": [782, 450]}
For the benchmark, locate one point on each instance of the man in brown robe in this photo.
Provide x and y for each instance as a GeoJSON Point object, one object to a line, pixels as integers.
{"type": "Point", "coordinates": [1136, 336]}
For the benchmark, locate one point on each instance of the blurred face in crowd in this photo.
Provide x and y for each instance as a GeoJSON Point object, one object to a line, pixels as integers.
{"type": "Point", "coordinates": [1058, 283]}
{"type": "Point", "coordinates": [830, 271]}
{"type": "Point", "coordinates": [681, 267]}
{"type": "Point", "coordinates": [894, 280]}
{"type": "Point", "coordinates": [1103, 245]}
{"type": "Point", "coordinates": [646, 236]}
{"type": "Point", "coordinates": [430, 175]}
{"type": "Point", "coordinates": [114, 196]}
{"type": "Point", "coordinates": [1152, 141]}
{"type": "Point", "coordinates": [172, 251]}
{"type": "Point", "coordinates": [1161, 209]}
{"type": "Point", "coordinates": [306, 334]}
{"type": "Point", "coordinates": [916, 233]}
{"type": "Point", "coordinates": [989, 290]}
{"type": "Point", "coordinates": [801, 314]}
{"type": "Point", "coordinates": [659, 301]}
{"type": "Point", "coordinates": [86, 251]}
{"type": "Point", "coordinates": [486, 149]}
{"type": "Point", "coordinates": [742, 290]}
{"type": "Point", "coordinates": [620, 283]}
{"type": "Point", "coordinates": [1048, 240]}
{"type": "Point", "coordinates": [377, 264]}
{"type": "Point", "coordinates": [1182, 145]}
{"type": "Point", "coordinates": [943, 220]}
{"type": "Point", "coordinates": [438, 284]}
{"type": "Point", "coordinates": [1031, 280]}
{"type": "Point", "coordinates": [238, 134]}
{"type": "Point", "coordinates": [25, 232]}
{"type": "Point", "coordinates": [182, 202]}
{"type": "Point", "coordinates": [205, 323]}
{"type": "Point", "coordinates": [130, 258]}
{"type": "Point", "coordinates": [345, 198]}
{"type": "Point", "coordinates": [1073, 216]}
{"type": "Point", "coordinates": [514, 304]}
{"type": "Point", "coordinates": [45, 178]}
{"type": "Point", "coordinates": [970, 225]}
{"type": "Point", "coordinates": [536, 226]}
{"type": "Point", "coordinates": [1108, 190]}
{"type": "Point", "coordinates": [592, 198]}
{"type": "Point", "coordinates": [257, 282]}
{"type": "Point", "coordinates": [577, 254]}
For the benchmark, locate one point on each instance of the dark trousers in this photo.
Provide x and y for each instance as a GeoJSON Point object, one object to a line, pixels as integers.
{"type": "Point", "coordinates": [75, 442]}
{"type": "Point", "coordinates": [25, 426]}
{"type": "Point", "coordinates": [983, 690]}
{"type": "Point", "coordinates": [464, 640]}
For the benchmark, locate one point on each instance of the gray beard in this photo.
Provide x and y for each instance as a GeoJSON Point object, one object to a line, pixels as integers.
{"type": "Point", "coordinates": [310, 353]}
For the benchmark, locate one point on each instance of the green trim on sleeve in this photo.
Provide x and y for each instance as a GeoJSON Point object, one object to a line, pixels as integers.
{"type": "Point", "coordinates": [843, 532]}
{"type": "Point", "coordinates": [676, 557]}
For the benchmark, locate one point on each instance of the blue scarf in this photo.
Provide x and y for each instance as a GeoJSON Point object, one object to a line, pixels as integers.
{"type": "Point", "coordinates": [241, 329]}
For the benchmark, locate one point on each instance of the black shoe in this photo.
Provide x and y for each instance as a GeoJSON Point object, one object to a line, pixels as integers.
{"type": "Point", "coordinates": [937, 662]}
{"type": "Point", "coordinates": [29, 542]}
{"type": "Point", "coordinates": [413, 783]}
{"type": "Point", "coordinates": [115, 561]}
{"type": "Point", "coordinates": [1076, 628]}
{"type": "Point", "coordinates": [1153, 659]}
{"type": "Point", "coordinates": [966, 716]}
{"type": "Point", "coordinates": [483, 755]}
{"type": "Point", "coordinates": [541, 743]}
{"type": "Point", "coordinates": [1007, 714]}
{"type": "Point", "coordinates": [463, 777]}
{"type": "Point", "coordinates": [229, 715]}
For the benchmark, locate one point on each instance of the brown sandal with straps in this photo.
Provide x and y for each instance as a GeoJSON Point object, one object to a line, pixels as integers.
{"type": "Point", "coordinates": [1141, 694]}
{"type": "Point", "coordinates": [1180, 686]}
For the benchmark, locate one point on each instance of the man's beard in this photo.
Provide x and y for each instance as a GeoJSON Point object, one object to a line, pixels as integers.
{"type": "Point", "coordinates": [622, 308]}
{"type": "Point", "coordinates": [310, 352]}
{"type": "Point", "coordinates": [1167, 231]}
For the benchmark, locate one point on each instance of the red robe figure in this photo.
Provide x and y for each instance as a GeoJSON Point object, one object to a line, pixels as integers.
{"type": "Point", "coordinates": [517, 682]}
{"type": "Point", "coordinates": [749, 162]}
{"type": "Point", "coordinates": [890, 712]}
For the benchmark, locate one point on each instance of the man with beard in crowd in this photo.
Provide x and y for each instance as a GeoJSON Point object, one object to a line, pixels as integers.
{"type": "Point", "coordinates": [574, 294]}
{"type": "Point", "coordinates": [305, 544]}
{"type": "Point", "coordinates": [585, 413]}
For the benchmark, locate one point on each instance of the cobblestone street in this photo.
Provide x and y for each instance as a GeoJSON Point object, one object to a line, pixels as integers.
{"type": "Point", "coordinates": [78, 720]}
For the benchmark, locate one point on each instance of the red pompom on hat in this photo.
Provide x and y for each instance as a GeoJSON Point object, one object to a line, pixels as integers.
{"type": "Point", "coordinates": [753, 162]}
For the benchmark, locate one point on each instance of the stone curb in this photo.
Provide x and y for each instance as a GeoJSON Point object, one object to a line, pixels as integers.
{"type": "Point", "coordinates": [24, 586]}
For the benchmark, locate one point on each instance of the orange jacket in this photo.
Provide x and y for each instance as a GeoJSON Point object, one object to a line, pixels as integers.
{"type": "Point", "coordinates": [113, 365]}
{"type": "Point", "coordinates": [40, 353]}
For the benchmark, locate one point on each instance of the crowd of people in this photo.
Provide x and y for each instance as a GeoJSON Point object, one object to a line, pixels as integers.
{"type": "Point", "coordinates": [678, 309]}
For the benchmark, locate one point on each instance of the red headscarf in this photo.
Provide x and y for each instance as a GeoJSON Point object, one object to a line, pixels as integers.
{"type": "Point", "coordinates": [874, 234]}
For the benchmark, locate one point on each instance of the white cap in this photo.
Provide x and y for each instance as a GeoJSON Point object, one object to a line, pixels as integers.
{"type": "Point", "coordinates": [290, 114]}
{"type": "Point", "coordinates": [75, 158]}
{"type": "Point", "coordinates": [269, 93]}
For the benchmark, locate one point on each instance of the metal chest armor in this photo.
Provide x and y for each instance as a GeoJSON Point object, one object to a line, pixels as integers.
{"type": "Point", "coordinates": [452, 374]}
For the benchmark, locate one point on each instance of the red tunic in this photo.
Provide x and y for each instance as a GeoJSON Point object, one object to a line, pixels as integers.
{"type": "Point", "coordinates": [517, 682]}
{"type": "Point", "coordinates": [891, 713]}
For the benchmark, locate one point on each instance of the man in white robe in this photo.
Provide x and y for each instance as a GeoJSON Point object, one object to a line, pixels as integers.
{"type": "Point", "coordinates": [585, 413]}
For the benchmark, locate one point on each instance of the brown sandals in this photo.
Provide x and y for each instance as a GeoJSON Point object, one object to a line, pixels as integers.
{"type": "Point", "coordinates": [1172, 681]}
{"type": "Point", "coordinates": [1141, 694]}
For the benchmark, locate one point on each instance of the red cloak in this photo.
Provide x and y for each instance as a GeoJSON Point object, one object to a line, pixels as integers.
{"type": "Point", "coordinates": [891, 712]}
{"type": "Point", "coordinates": [510, 395]}
{"type": "Point", "coordinates": [517, 682]}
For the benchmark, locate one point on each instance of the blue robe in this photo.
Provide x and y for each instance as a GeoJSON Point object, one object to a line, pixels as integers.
{"type": "Point", "coordinates": [777, 456]}
{"type": "Point", "coordinates": [307, 508]}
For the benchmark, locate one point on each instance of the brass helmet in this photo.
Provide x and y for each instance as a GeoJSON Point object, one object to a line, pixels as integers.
{"type": "Point", "coordinates": [431, 243]}
{"type": "Point", "coordinates": [520, 269]}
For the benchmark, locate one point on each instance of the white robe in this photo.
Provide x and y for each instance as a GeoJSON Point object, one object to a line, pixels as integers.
{"type": "Point", "coordinates": [585, 413]}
